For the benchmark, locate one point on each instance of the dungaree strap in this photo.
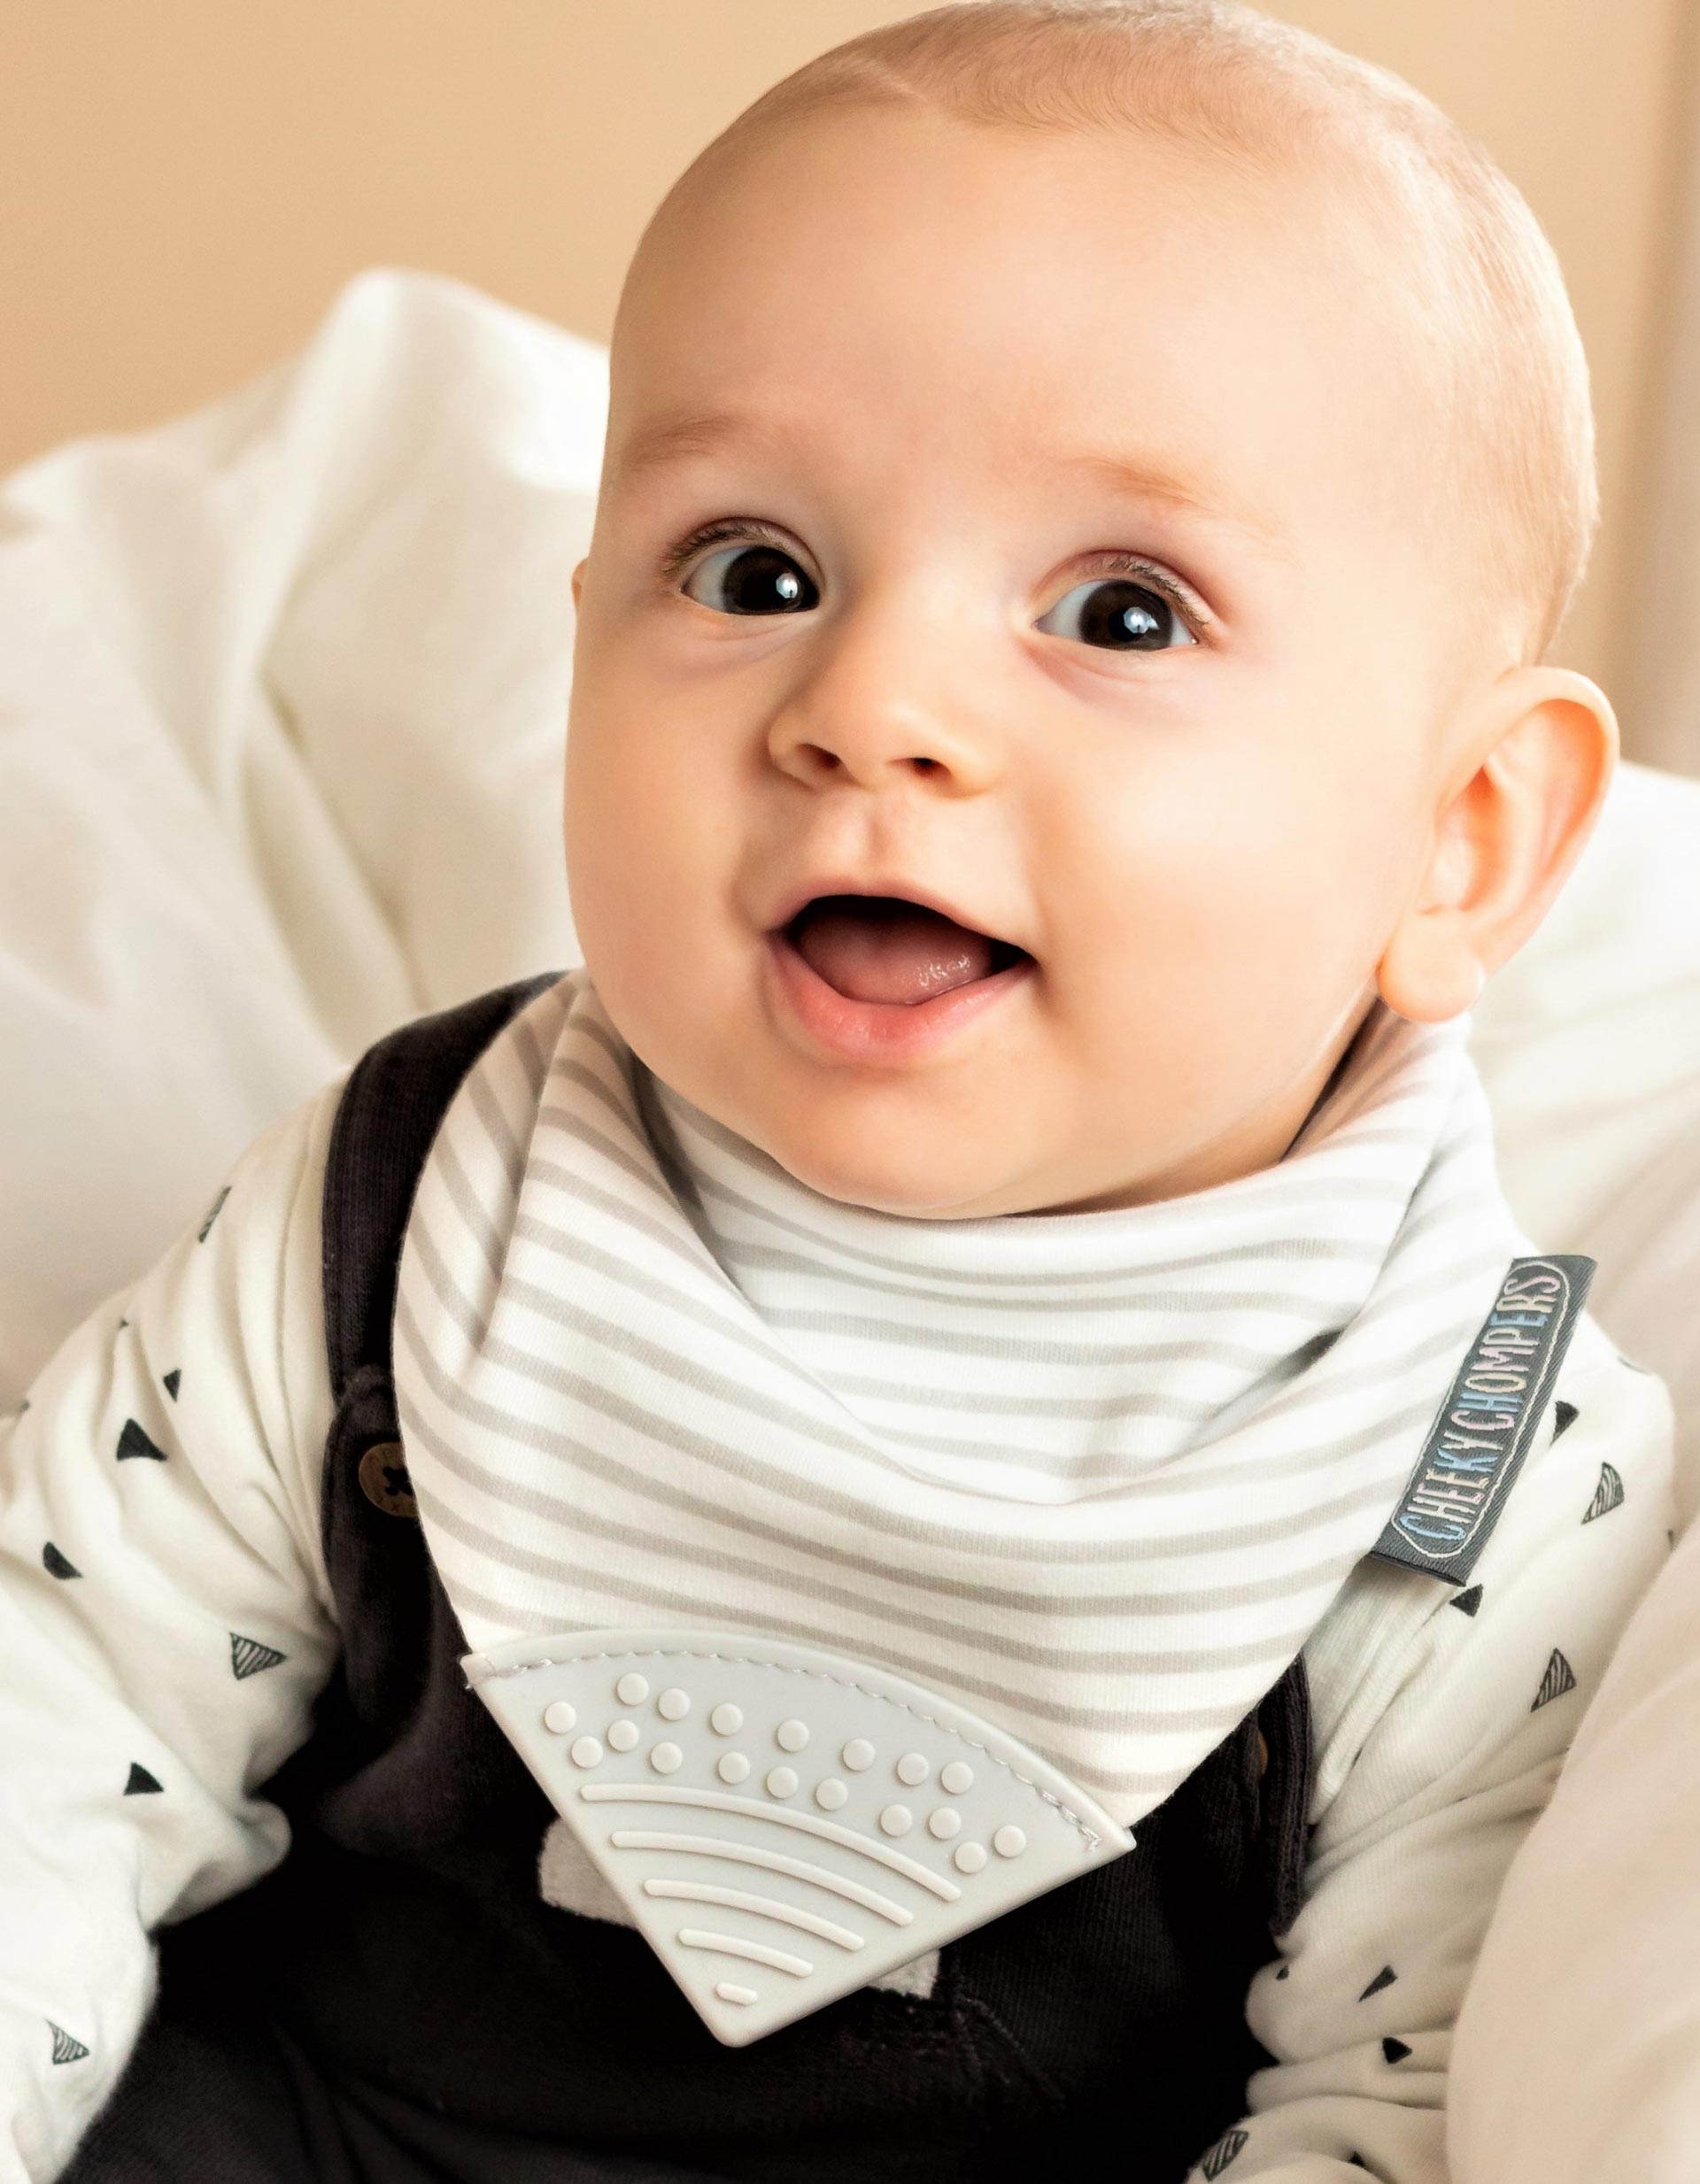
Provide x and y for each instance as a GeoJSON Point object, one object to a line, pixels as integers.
{"type": "Point", "coordinates": [395, 1098]}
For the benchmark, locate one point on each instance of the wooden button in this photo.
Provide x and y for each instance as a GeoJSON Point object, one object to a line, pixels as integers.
{"type": "Point", "coordinates": [385, 1480]}
{"type": "Point", "coordinates": [1263, 1753]}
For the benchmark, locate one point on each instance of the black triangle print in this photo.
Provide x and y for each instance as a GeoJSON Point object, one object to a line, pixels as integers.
{"type": "Point", "coordinates": [1467, 1603]}
{"type": "Point", "coordinates": [249, 1657]}
{"type": "Point", "coordinates": [1394, 2051]}
{"type": "Point", "coordinates": [172, 1380]}
{"type": "Point", "coordinates": [1384, 1977]}
{"type": "Point", "coordinates": [1227, 2150]}
{"type": "Point", "coordinates": [141, 1784]}
{"type": "Point", "coordinates": [1559, 1679]}
{"type": "Point", "coordinates": [1564, 1417]}
{"type": "Point", "coordinates": [55, 1563]}
{"type": "Point", "coordinates": [1284, 1973]}
{"type": "Point", "coordinates": [1357, 2162]}
{"type": "Point", "coordinates": [64, 2049]}
{"type": "Point", "coordinates": [212, 1214]}
{"type": "Point", "coordinates": [134, 1442]}
{"type": "Point", "coordinates": [1607, 1495]}
{"type": "Point", "coordinates": [123, 1324]}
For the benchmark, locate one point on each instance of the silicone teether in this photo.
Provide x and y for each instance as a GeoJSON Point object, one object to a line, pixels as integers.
{"type": "Point", "coordinates": [784, 1825]}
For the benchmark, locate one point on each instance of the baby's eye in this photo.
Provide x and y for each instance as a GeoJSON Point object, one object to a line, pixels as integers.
{"type": "Point", "coordinates": [752, 579]}
{"type": "Point", "coordinates": [1123, 615]}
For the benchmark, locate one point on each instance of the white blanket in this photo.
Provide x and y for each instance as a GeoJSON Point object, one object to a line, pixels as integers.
{"type": "Point", "coordinates": [282, 700]}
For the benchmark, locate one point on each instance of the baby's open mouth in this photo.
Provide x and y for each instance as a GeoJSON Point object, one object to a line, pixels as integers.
{"type": "Point", "coordinates": [881, 948]}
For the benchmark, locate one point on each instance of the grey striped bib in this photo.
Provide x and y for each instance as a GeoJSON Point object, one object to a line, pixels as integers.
{"type": "Point", "coordinates": [1098, 1476]}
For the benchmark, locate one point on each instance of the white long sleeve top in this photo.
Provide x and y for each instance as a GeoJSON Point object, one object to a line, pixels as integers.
{"type": "Point", "coordinates": [167, 1623]}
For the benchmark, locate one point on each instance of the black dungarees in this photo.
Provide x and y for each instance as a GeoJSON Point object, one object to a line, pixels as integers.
{"type": "Point", "coordinates": [398, 2003]}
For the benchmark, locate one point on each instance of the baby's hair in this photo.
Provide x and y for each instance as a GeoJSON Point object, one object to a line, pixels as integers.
{"type": "Point", "coordinates": [1515, 483]}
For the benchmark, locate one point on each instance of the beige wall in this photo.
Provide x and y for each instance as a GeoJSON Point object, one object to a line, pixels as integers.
{"type": "Point", "coordinates": [184, 183]}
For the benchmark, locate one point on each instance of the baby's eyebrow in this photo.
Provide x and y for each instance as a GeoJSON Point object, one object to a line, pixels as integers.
{"type": "Point", "coordinates": [1141, 477]}
{"type": "Point", "coordinates": [671, 439]}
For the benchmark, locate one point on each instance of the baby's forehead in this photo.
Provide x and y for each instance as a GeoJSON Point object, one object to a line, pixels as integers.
{"type": "Point", "coordinates": [1181, 303]}
{"type": "Point", "coordinates": [1344, 239]}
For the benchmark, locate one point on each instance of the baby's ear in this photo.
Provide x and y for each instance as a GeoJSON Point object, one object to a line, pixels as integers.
{"type": "Point", "coordinates": [1534, 760]}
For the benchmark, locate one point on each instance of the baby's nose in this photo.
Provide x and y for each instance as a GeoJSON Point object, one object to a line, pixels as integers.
{"type": "Point", "coordinates": [837, 733]}
{"type": "Point", "coordinates": [825, 763]}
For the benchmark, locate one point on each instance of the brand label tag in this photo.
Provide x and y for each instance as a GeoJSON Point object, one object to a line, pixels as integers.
{"type": "Point", "coordinates": [1476, 1445]}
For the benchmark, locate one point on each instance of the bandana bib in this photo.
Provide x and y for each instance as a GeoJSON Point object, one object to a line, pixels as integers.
{"type": "Point", "coordinates": [1041, 1506]}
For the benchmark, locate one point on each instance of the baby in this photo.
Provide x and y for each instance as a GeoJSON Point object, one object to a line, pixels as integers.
{"type": "Point", "coordinates": [929, 1522]}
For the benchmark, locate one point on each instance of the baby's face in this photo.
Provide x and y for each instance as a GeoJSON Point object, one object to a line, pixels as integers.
{"type": "Point", "coordinates": [1065, 574]}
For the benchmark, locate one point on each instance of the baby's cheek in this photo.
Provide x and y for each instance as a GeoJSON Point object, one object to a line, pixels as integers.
{"type": "Point", "coordinates": [1214, 963]}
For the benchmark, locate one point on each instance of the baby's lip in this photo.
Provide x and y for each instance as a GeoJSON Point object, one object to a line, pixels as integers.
{"type": "Point", "coordinates": [898, 885]}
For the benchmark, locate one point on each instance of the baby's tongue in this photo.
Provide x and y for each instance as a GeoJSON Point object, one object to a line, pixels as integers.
{"type": "Point", "coordinates": [872, 948]}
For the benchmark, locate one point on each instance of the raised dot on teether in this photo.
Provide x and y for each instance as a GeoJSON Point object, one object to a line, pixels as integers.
{"type": "Point", "coordinates": [829, 1795]}
{"type": "Point", "coordinates": [733, 1767]}
{"type": "Point", "coordinates": [622, 1735]}
{"type": "Point", "coordinates": [790, 1736]}
{"type": "Point", "coordinates": [674, 1705]}
{"type": "Point", "coordinates": [897, 1819]}
{"type": "Point", "coordinates": [586, 1753]}
{"type": "Point", "coordinates": [1009, 1842]}
{"type": "Point", "coordinates": [913, 1767]}
{"type": "Point", "coordinates": [944, 1823]}
{"type": "Point", "coordinates": [631, 1690]}
{"type": "Point", "coordinates": [726, 1720]}
{"type": "Point", "coordinates": [970, 1857]}
{"type": "Point", "coordinates": [666, 1758]}
{"type": "Point", "coordinates": [559, 1717]}
{"type": "Point", "coordinates": [781, 1781]}
{"type": "Point", "coordinates": [955, 1779]}
{"type": "Point", "coordinates": [857, 1755]}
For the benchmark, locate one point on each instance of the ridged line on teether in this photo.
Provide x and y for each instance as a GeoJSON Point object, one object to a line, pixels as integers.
{"type": "Point", "coordinates": [752, 1952]}
{"type": "Point", "coordinates": [762, 1906]}
{"type": "Point", "coordinates": [723, 1801]}
{"type": "Point", "coordinates": [775, 1861]}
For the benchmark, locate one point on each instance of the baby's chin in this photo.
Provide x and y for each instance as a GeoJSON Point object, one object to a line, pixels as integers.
{"type": "Point", "coordinates": [908, 1174]}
